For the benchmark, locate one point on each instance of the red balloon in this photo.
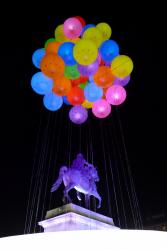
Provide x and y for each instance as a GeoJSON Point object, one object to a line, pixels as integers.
{"type": "Point", "coordinates": [82, 21]}
{"type": "Point", "coordinates": [75, 96]}
{"type": "Point", "coordinates": [79, 80]}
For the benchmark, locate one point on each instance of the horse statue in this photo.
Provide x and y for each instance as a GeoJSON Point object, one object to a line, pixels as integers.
{"type": "Point", "coordinates": [81, 176]}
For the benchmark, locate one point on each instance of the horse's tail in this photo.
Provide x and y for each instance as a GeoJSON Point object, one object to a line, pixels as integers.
{"type": "Point", "coordinates": [58, 182]}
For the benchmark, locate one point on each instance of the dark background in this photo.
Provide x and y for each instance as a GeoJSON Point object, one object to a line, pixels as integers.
{"type": "Point", "coordinates": [139, 30]}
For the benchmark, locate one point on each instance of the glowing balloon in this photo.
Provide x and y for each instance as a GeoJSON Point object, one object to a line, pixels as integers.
{"type": "Point", "coordinates": [86, 104]}
{"type": "Point", "coordinates": [101, 108]}
{"type": "Point", "coordinates": [52, 47]}
{"type": "Point", "coordinates": [78, 114]}
{"type": "Point", "coordinates": [62, 85]}
{"type": "Point", "coordinates": [82, 21]}
{"type": "Point", "coordinates": [65, 100]}
{"type": "Point", "coordinates": [108, 50]}
{"type": "Point", "coordinates": [87, 26]}
{"type": "Point", "coordinates": [71, 72]}
{"type": "Point", "coordinates": [41, 84]}
{"type": "Point", "coordinates": [122, 81]}
{"type": "Point", "coordinates": [105, 30]}
{"type": "Point", "coordinates": [72, 28]}
{"type": "Point", "coordinates": [52, 65]}
{"type": "Point", "coordinates": [122, 66]}
{"type": "Point", "coordinates": [92, 92]}
{"type": "Point", "coordinates": [48, 41]}
{"type": "Point", "coordinates": [59, 34]}
{"type": "Point", "coordinates": [116, 95]}
{"type": "Point", "coordinates": [103, 77]}
{"type": "Point", "coordinates": [94, 35]}
{"type": "Point", "coordinates": [75, 96]}
{"type": "Point", "coordinates": [37, 57]}
{"type": "Point", "coordinates": [85, 52]}
{"type": "Point", "coordinates": [79, 80]}
{"type": "Point", "coordinates": [52, 101]}
{"type": "Point", "coordinates": [83, 85]}
{"type": "Point", "coordinates": [66, 52]}
{"type": "Point", "coordinates": [88, 70]}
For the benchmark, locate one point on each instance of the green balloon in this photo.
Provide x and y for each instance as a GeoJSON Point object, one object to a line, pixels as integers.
{"type": "Point", "coordinates": [83, 85]}
{"type": "Point", "coordinates": [71, 72]}
{"type": "Point", "coordinates": [48, 41]}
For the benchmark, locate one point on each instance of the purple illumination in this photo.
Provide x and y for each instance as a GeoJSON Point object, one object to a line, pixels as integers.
{"type": "Point", "coordinates": [88, 70]}
{"type": "Point", "coordinates": [116, 95]}
{"type": "Point", "coordinates": [122, 81]}
{"type": "Point", "coordinates": [101, 108]}
{"type": "Point", "coordinates": [78, 114]}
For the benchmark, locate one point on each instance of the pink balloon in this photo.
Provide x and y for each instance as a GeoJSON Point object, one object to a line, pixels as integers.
{"type": "Point", "coordinates": [116, 95]}
{"type": "Point", "coordinates": [72, 28]}
{"type": "Point", "coordinates": [101, 108]}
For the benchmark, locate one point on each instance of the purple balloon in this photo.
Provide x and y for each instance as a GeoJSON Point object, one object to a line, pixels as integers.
{"type": "Point", "coordinates": [88, 70]}
{"type": "Point", "coordinates": [78, 114]}
{"type": "Point", "coordinates": [122, 81]}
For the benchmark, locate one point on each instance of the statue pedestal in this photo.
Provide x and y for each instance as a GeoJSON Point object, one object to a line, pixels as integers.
{"type": "Point", "coordinates": [72, 217]}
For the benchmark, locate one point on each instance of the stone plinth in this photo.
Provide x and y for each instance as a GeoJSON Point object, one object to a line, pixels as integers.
{"type": "Point", "coordinates": [72, 217]}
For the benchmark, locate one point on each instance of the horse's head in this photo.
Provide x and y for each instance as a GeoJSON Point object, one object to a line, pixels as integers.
{"type": "Point", "coordinates": [63, 170]}
{"type": "Point", "coordinates": [93, 172]}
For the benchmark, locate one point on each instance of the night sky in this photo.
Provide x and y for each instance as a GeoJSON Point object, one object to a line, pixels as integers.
{"type": "Point", "coordinates": [139, 32]}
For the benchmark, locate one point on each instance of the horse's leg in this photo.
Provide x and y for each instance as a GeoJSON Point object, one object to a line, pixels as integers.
{"type": "Point", "coordinates": [67, 189]}
{"type": "Point", "coordinates": [87, 200]}
{"type": "Point", "coordinates": [96, 195]}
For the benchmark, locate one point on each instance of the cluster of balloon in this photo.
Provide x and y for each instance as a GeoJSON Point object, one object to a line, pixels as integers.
{"type": "Point", "coordinates": [81, 67]}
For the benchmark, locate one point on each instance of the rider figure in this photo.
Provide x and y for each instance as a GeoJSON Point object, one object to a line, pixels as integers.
{"type": "Point", "coordinates": [79, 163]}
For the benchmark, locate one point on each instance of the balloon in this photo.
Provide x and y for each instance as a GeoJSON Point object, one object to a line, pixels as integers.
{"type": "Point", "coordinates": [52, 47]}
{"type": "Point", "coordinates": [122, 81]}
{"type": "Point", "coordinates": [48, 41]}
{"type": "Point", "coordinates": [75, 96]}
{"type": "Point", "coordinates": [116, 95]}
{"type": "Point", "coordinates": [59, 34]}
{"type": "Point", "coordinates": [121, 66]}
{"type": "Point", "coordinates": [41, 84]}
{"type": "Point", "coordinates": [92, 92]}
{"type": "Point", "coordinates": [94, 35]}
{"type": "Point", "coordinates": [52, 65]}
{"type": "Point", "coordinates": [72, 28]}
{"type": "Point", "coordinates": [85, 52]}
{"type": "Point", "coordinates": [86, 104]}
{"type": "Point", "coordinates": [108, 50]}
{"type": "Point", "coordinates": [83, 85]}
{"type": "Point", "coordinates": [103, 77]}
{"type": "Point", "coordinates": [88, 70]}
{"type": "Point", "coordinates": [52, 101]}
{"type": "Point", "coordinates": [65, 100]}
{"type": "Point", "coordinates": [78, 114]}
{"type": "Point", "coordinates": [37, 57]}
{"type": "Point", "coordinates": [82, 21]}
{"type": "Point", "coordinates": [87, 26]}
{"type": "Point", "coordinates": [71, 72]}
{"type": "Point", "coordinates": [101, 108]}
{"type": "Point", "coordinates": [66, 52]}
{"type": "Point", "coordinates": [62, 85]}
{"type": "Point", "coordinates": [77, 81]}
{"type": "Point", "coordinates": [105, 30]}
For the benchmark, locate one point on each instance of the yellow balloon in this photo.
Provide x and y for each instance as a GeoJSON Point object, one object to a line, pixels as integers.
{"type": "Point", "coordinates": [121, 66]}
{"type": "Point", "coordinates": [59, 34]}
{"type": "Point", "coordinates": [105, 30]}
{"type": "Point", "coordinates": [86, 104]}
{"type": "Point", "coordinates": [85, 52]}
{"type": "Point", "coordinates": [94, 35]}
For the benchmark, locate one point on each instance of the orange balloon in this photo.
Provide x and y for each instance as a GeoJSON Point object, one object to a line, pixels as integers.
{"type": "Point", "coordinates": [62, 85]}
{"type": "Point", "coordinates": [103, 77]}
{"type": "Point", "coordinates": [52, 65]}
{"type": "Point", "coordinates": [75, 96]}
{"type": "Point", "coordinates": [52, 47]}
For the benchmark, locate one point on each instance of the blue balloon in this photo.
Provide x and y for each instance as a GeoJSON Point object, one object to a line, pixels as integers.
{"type": "Point", "coordinates": [66, 52]}
{"type": "Point", "coordinates": [65, 100]}
{"type": "Point", "coordinates": [87, 27]}
{"type": "Point", "coordinates": [41, 84]}
{"type": "Point", "coordinates": [92, 92]}
{"type": "Point", "coordinates": [52, 101]}
{"type": "Point", "coordinates": [108, 50]}
{"type": "Point", "coordinates": [37, 57]}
